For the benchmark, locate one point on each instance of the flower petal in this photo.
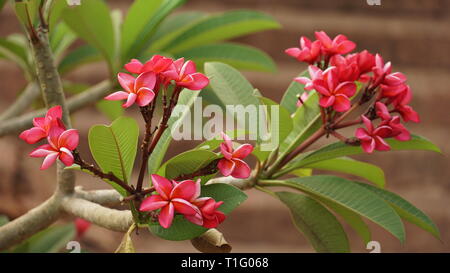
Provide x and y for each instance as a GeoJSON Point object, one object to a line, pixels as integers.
{"type": "Point", "coordinates": [147, 79]}
{"type": "Point", "coordinates": [243, 151]}
{"type": "Point", "coordinates": [134, 66]}
{"type": "Point", "coordinates": [226, 166]}
{"type": "Point", "coordinates": [54, 112]}
{"type": "Point", "coordinates": [241, 169]}
{"type": "Point", "coordinates": [186, 189]}
{"type": "Point", "coordinates": [184, 207]}
{"type": "Point", "coordinates": [341, 103]}
{"type": "Point", "coordinates": [119, 95]}
{"type": "Point", "coordinates": [43, 150]}
{"type": "Point", "coordinates": [153, 202]}
{"type": "Point", "coordinates": [130, 100]}
{"type": "Point", "coordinates": [126, 81]}
{"type": "Point", "coordinates": [293, 51]}
{"type": "Point", "coordinates": [69, 139]}
{"type": "Point", "coordinates": [49, 160]}
{"type": "Point", "coordinates": [199, 81]}
{"type": "Point", "coordinates": [144, 96]}
{"type": "Point", "coordinates": [33, 135]}
{"type": "Point", "coordinates": [166, 215]}
{"type": "Point", "coordinates": [66, 157]}
{"type": "Point", "coordinates": [368, 146]}
{"type": "Point", "coordinates": [162, 185]}
{"type": "Point", "coordinates": [327, 101]}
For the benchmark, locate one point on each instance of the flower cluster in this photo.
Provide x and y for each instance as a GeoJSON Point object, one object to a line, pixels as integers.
{"type": "Point", "coordinates": [334, 75]}
{"type": "Point", "coordinates": [61, 142]}
{"type": "Point", "coordinates": [158, 72]}
{"type": "Point", "coordinates": [183, 198]}
{"type": "Point", "coordinates": [232, 163]}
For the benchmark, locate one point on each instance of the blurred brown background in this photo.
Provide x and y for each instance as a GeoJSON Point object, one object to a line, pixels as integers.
{"type": "Point", "coordinates": [413, 34]}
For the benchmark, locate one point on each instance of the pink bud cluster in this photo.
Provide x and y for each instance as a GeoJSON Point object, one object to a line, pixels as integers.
{"type": "Point", "coordinates": [334, 75]}
{"type": "Point", "coordinates": [183, 198]}
{"type": "Point", "coordinates": [60, 142]}
{"type": "Point", "coordinates": [158, 72]}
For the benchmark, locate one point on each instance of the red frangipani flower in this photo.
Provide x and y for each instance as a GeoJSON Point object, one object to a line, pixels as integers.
{"type": "Point", "coordinates": [139, 90]}
{"type": "Point", "coordinates": [399, 131]}
{"type": "Point", "coordinates": [308, 52]}
{"type": "Point", "coordinates": [232, 163]}
{"type": "Point", "coordinates": [156, 64]}
{"type": "Point", "coordinates": [173, 197]}
{"type": "Point", "coordinates": [81, 226]}
{"type": "Point", "coordinates": [314, 74]}
{"type": "Point", "coordinates": [43, 125]}
{"type": "Point", "coordinates": [334, 93]}
{"type": "Point", "coordinates": [211, 216]}
{"type": "Point", "coordinates": [60, 145]}
{"type": "Point", "coordinates": [339, 45]}
{"type": "Point", "coordinates": [185, 74]}
{"type": "Point", "coordinates": [373, 139]}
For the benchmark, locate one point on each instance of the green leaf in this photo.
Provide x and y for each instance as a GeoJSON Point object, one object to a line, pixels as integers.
{"type": "Point", "coordinates": [289, 100]}
{"type": "Point", "coordinates": [353, 197]}
{"type": "Point", "coordinates": [92, 22]}
{"type": "Point", "coordinates": [230, 86]}
{"type": "Point", "coordinates": [171, 27]}
{"type": "Point", "coordinates": [27, 8]}
{"type": "Point", "coordinates": [111, 109]}
{"type": "Point", "coordinates": [141, 22]}
{"type": "Point", "coordinates": [15, 52]}
{"type": "Point", "coordinates": [239, 56]}
{"type": "Point", "coordinates": [81, 55]}
{"type": "Point", "coordinates": [347, 165]}
{"type": "Point", "coordinates": [114, 147]}
{"type": "Point", "coordinates": [186, 163]}
{"type": "Point", "coordinates": [181, 229]}
{"type": "Point", "coordinates": [302, 172]}
{"type": "Point", "coordinates": [406, 210]}
{"type": "Point", "coordinates": [321, 227]}
{"type": "Point", "coordinates": [50, 240]}
{"type": "Point", "coordinates": [126, 245]}
{"type": "Point", "coordinates": [306, 121]}
{"type": "Point", "coordinates": [339, 149]}
{"type": "Point", "coordinates": [187, 98]}
{"type": "Point", "coordinates": [60, 39]}
{"type": "Point", "coordinates": [221, 27]}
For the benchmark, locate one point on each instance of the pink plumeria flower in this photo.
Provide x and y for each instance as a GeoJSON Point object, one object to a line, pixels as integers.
{"type": "Point", "coordinates": [348, 69]}
{"type": "Point", "coordinates": [173, 197]}
{"type": "Point", "coordinates": [60, 145]}
{"type": "Point", "coordinates": [212, 217]}
{"type": "Point", "coordinates": [373, 139]}
{"type": "Point", "coordinates": [339, 45]}
{"type": "Point", "coordinates": [399, 131]}
{"type": "Point", "coordinates": [392, 84]}
{"type": "Point", "coordinates": [42, 125]}
{"type": "Point", "coordinates": [185, 74]}
{"type": "Point", "coordinates": [334, 93]}
{"type": "Point", "coordinates": [308, 52]}
{"type": "Point", "coordinates": [232, 163]}
{"type": "Point", "coordinates": [157, 64]}
{"type": "Point", "coordinates": [139, 90]}
{"type": "Point", "coordinates": [81, 226]}
{"type": "Point", "coordinates": [400, 103]}
{"type": "Point", "coordinates": [314, 74]}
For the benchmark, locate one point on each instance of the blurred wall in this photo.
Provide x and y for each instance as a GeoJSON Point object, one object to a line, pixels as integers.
{"type": "Point", "coordinates": [413, 34]}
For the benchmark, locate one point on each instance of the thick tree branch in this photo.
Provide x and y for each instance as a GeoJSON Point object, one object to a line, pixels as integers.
{"type": "Point", "coordinates": [22, 102]}
{"type": "Point", "coordinates": [101, 197]}
{"type": "Point", "coordinates": [112, 219]}
{"type": "Point", "coordinates": [75, 103]}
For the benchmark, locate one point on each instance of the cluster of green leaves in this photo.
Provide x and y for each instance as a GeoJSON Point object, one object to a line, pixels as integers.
{"type": "Point", "coordinates": [50, 240]}
{"type": "Point", "coordinates": [322, 198]}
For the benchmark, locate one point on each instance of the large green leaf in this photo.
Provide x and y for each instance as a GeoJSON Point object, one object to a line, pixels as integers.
{"type": "Point", "coordinates": [92, 22]}
{"type": "Point", "coordinates": [114, 147]}
{"type": "Point", "coordinates": [140, 23]}
{"type": "Point", "coordinates": [79, 56]}
{"type": "Point", "coordinates": [221, 27]}
{"type": "Point", "coordinates": [187, 99]}
{"type": "Point", "coordinates": [171, 27]}
{"type": "Point", "coordinates": [347, 165]}
{"type": "Point", "coordinates": [321, 227]}
{"type": "Point", "coordinates": [186, 163]}
{"type": "Point", "coordinates": [27, 11]}
{"type": "Point", "coordinates": [50, 240]}
{"type": "Point", "coordinates": [406, 210]}
{"type": "Point", "coordinates": [61, 38]}
{"type": "Point", "coordinates": [339, 149]}
{"type": "Point", "coordinates": [238, 56]}
{"type": "Point", "coordinates": [15, 52]}
{"type": "Point", "coordinates": [181, 229]}
{"type": "Point", "coordinates": [289, 100]}
{"type": "Point", "coordinates": [351, 196]}
{"type": "Point", "coordinates": [111, 109]}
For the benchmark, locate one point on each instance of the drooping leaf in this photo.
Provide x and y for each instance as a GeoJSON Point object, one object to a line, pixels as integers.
{"type": "Point", "coordinates": [319, 226]}
{"type": "Point", "coordinates": [114, 147]}
{"type": "Point", "coordinates": [239, 56]}
{"type": "Point", "coordinates": [406, 210]}
{"type": "Point", "coordinates": [339, 149]}
{"type": "Point", "coordinates": [347, 165]}
{"type": "Point", "coordinates": [221, 27]}
{"type": "Point", "coordinates": [353, 197]}
{"type": "Point", "coordinates": [181, 229]}
{"type": "Point", "coordinates": [126, 245]}
{"type": "Point", "coordinates": [92, 22]}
